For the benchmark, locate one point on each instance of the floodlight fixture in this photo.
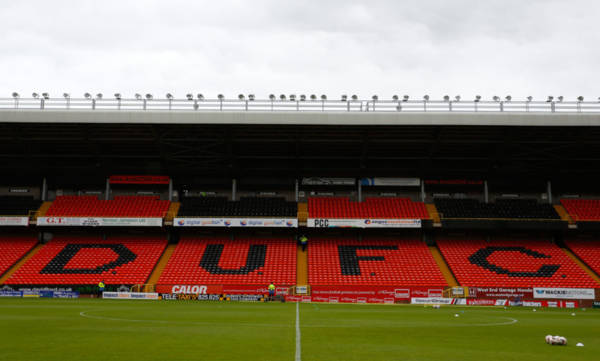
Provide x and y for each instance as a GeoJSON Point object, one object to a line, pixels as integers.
{"type": "Point", "coordinates": [293, 97]}
{"type": "Point", "coordinates": [508, 98]}
{"type": "Point", "coordinates": [99, 96]}
{"type": "Point", "coordinates": [550, 99]}
{"type": "Point", "coordinates": [189, 96]}
{"type": "Point", "coordinates": [46, 96]}
{"type": "Point", "coordinates": [138, 96]}
{"type": "Point", "coordinates": [169, 96]}
{"type": "Point", "coordinates": [15, 95]}
{"type": "Point", "coordinates": [354, 97]}
{"type": "Point", "coordinates": [272, 97]}
{"type": "Point", "coordinates": [302, 97]}
{"type": "Point", "coordinates": [221, 97]}
{"type": "Point", "coordinates": [313, 97]}
{"type": "Point", "coordinates": [395, 98]}
{"type": "Point", "coordinates": [241, 97]}
{"type": "Point", "coordinates": [426, 97]}
{"type": "Point", "coordinates": [561, 98]}
{"type": "Point", "coordinates": [529, 98]}
{"type": "Point", "coordinates": [66, 95]}
{"type": "Point", "coordinates": [580, 98]}
{"type": "Point", "coordinates": [457, 98]}
{"type": "Point", "coordinates": [446, 98]}
{"type": "Point", "coordinates": [323, 97]}
{"type": "Point", "coordinates": [405, 98]}
{"type": "Point", "coordinates": [496, 98]}
{"type": "Point", "coordinates": [149, 96]}
{"type": "Point", "coordinates": [200, 96]}
{"type": "Point", "coordinates": [282, 97]}
{"type": "Point", "coordinates": [344, 98]}
{"type": "Point", "coordinates": [251, 97]}
{"type": "Point", "coordinates": [87, 96]}
{"type": "Point", "coordinates": [118, 96]}
{"type": "Point", "coordinates": [375, 98]}
{"type": "Point", "coordinates": [477, 98]}
{"type": "Point", "coordinates": [35, 95]}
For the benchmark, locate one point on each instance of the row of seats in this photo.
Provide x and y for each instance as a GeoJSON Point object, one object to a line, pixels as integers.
{"type": "Point", "coordinates": [510, 263]}
{"type": "Point", "coordinates": [13, 249]}
{"type": "Point", "coordinates": [502, 208]}
{"type": "Point", "coordinates": [582, 209]}
{"type": "Point", "coordinates": [18, 205]}
{"type": "Point", "coordinates": [120, 206]}
{"type": "Point", "coordinates": [588, 251]}
{"type": "Point", "coordinates": [384, 208]}
{"type": "Point", "coordinates": [245, 207]}
{"type": "Point", "coordinates": [223, 261]}
{"type": "Point", "coordinates": [88, 260]}
{"type": "Point", "coordinates": [372, 262]}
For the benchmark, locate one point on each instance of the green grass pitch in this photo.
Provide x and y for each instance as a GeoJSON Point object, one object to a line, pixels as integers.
{"type": "Point", "coordinates": [91, 329]}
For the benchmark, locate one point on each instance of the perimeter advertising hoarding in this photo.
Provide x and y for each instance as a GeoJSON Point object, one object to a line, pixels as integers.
{"type": "Point", "coordinates": [236, 222]}
{"type": "Point", "coordinates": [99, 221]}
{"type": "Point", "coordinates": [362, 223]}
{"type": "Point", "coordinates": [564, 293]}
{"type": "Point", "coordinates": [14, 221]}
{"type": "Point", "coordinates": [501, 292]}
{"type": "Point", "coordinates": [130, 296]}
{"type": "Point", "coordinates": [371, 294]}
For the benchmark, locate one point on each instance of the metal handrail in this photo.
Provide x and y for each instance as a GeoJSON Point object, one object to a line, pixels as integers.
{"type": "Point", "coordinates": [353, 106]}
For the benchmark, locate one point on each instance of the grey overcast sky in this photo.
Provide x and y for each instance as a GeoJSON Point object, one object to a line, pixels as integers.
{"type": "Point", "coordinates": [385, 47]}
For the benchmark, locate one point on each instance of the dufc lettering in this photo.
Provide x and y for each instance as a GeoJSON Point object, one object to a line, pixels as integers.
{"type": "Point", "coordinates": [188, 289]}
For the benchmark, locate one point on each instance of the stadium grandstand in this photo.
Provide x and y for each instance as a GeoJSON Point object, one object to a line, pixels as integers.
{"type": "Point", "coordinates": [397, 199]}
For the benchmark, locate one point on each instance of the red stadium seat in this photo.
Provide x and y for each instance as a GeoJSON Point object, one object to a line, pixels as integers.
{"type": "Point", "coordinates": [121, 206]}
{"type": "Point", "coordinates": [391, 263]}
{"type": "Point", "coordinates": [582, 209]}
{"type": "Point", "coordinates": [241, 261]}
{"type": "Point", "coordinates": [13, 249]}
{"type": "Point", "coordinates": [588, 251]}
{"type": "Point", "coordinates": [509, 263]}
{"type": "Point", "coordinates": [88, 260]}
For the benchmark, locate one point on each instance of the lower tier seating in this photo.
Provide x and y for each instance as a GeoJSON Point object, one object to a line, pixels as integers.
{"type": "Point", "coordinates": [582, 209]}
{"type": "Point", "coordinates": [509, 263]}
{"type": "Point", "coordinates": [588, 251]}
{"type": "Point", "coordinates": [372, 262]}
{"type": "Point", "coordinates": [222, 261]}
{"type": "Point", "coordinates": [88, 260]}
{"type": "Point", "coordinates": [384, 208]}
{"type": "Point", "coordinates": [13, 249]}
{"type": "Point", "coordinates": [121, 206]}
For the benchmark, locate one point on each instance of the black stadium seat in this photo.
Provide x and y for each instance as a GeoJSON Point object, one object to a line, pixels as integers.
{"type": "Point", "coordinates": [502, 208]}
{"type": "Point", "coordinates": [18, 205]}
{"type": "Point", "coordinates": [245, 207]}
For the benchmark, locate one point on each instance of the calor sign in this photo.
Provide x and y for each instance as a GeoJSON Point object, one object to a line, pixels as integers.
{"type": "Point", "coordinates": [189, 290]}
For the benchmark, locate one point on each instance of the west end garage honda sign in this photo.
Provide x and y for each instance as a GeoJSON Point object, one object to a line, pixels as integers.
{"type": "Point", "coordinates": [99, 221]}
{"type": "Point", "coordinates": [236, 222]}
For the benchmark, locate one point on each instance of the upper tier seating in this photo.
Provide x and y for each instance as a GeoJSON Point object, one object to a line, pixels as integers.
{"type": "Point", "coordinates": [372, 262]}
{"type": "Point", "coordinates": [511, 263]}
{"type": "Point", "coordinates": [121, 206]}
{"type": "Point", "coordinates": [587, 251]}
{"type": "Point", "coordinates": [502, 208]}
{"type": "Point", "coordinates": [245, 207]}
{"type": "Point", "coordinates": [582, 209]}
{"type": "Point", "coordinates": [18, 205]}
{"type": "Point", "coordinates": [88, 260]}
{"type": "Point", "coordinates": [237, 262]}
{"type": "Point", "coordinates": [12, 249]}
{"type": "Point", "coordinates": [384, 208]}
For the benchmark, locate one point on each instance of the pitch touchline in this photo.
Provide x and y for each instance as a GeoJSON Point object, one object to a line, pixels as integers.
{"type": "Point", "coordinates": [298, 346]}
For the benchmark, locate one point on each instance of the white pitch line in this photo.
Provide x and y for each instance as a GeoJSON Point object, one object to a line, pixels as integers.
{"type": "Point", "coordinates": [298, 346]}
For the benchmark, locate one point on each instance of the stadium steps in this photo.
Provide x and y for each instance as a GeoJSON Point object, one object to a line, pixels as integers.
{"type": "Point", "coordinates": [302, 213]}
{"type": "Point", "coordinates": [581, 264]}
{"type": "Point", "coordinates": [160, 266]}
{"type": "Point", "coordinates": [40, 212]}
{"type": "Point", "coordinates": [562, 212]}
{"type": "Point", "coordinates": [172, 213]}
{"type": "Point", "coordinates": [433, 213]}
{"type": "Point", "coordinates": [441, 262]}
{"type": "Point", "coordinates": [302, 267]}
{"type": "Point", "coordinates": [19, 263]}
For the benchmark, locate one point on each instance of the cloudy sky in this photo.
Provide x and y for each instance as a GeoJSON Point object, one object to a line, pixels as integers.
{"type": "Point", "coordinates": [385, 47]}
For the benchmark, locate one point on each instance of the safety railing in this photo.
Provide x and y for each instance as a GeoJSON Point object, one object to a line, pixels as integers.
{"type": "Point", "coordinates": [278, 105]}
